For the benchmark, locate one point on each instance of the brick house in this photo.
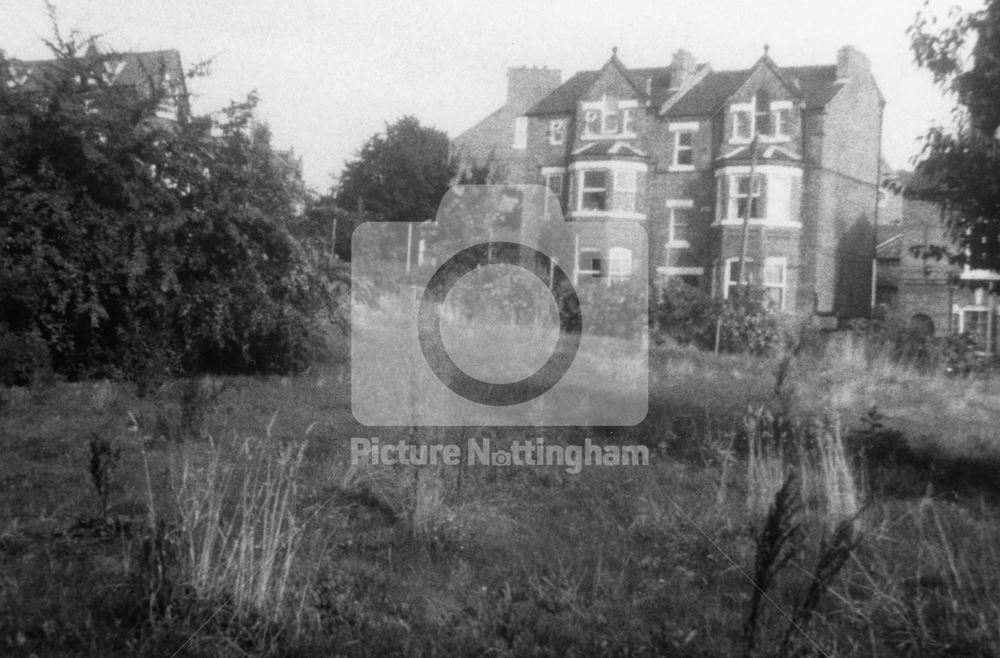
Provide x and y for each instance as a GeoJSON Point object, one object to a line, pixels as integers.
{"type": "Point", "coordinates": [672, 147]}
{"type": "Point", "coordinates": [138, 72]}
{"type": "Point", "coordinates": [932, 294]}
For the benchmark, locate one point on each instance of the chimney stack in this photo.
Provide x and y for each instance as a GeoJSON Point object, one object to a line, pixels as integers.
{"type": "Point", "coordinates": [526, 86]}
{"type": "Point", "coordinates": [851, 62]}
{"type": "Point", "coordinates": [682, 69]}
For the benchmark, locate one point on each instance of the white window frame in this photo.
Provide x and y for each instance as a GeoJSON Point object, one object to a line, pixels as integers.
{"type": "Point", "coordinates": [557, 132]}
{"type": "Point", "coordinates": [781, 261]}
{"type": "Point", "coordinates": [978, 307]}
{"type": "Point", "coordinates": [728, 273]}
{"type": "Point", "coordinates": [778, 178]}
{"type": "Point", "coordinates": [780, 128]}
{"type": "Point", "coordinates": [620, 263]}
{"type": "Point", "coordinates": [735, 195]}
{"type": "Point", "coordinates": [550, 173]}
{"type": "Point", "coordinates": [782, 285]}
{"type": "Point", "coordinates": [590, 272]}
{"type": "Point", "coordinates": [749, 110]}
{"type": "Point", "coordinates": [521, 133]}
{"type": "Point", "coordinates": [673, 205]}
{"type": "Point", "coordinates": [628, 121]}
{"type": "Point", "coordinates": [678, 129]}
{"type": "Point", "coordinates": [625, 183]}
{"type": "Point", "coordinates": [583, 189]}
{"type": "Point", "coordinates": [577, 169]}
{"type": "Point", "coordinates": [602, 111]}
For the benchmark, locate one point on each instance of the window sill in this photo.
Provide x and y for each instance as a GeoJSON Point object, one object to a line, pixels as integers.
{"type": "Point", "coordinates": [679, 244]}
{"type": "Point", "coordinates": [602, 136]}
{"type": "Point", "coordinates": [681, 271]}
{"type": "Point", "coordinates": [606, 214]}
{"type": "Point", "coordinates": [677, 167]}
{"type": "Point", "coordinates": [776, 223]}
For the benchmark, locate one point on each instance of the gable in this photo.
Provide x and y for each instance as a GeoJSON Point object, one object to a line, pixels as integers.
{"type": "Point", "coordinates": [611, 81]}
{"type": "Point", "coordinates": [814, 85]}
{"type": "Point", "coordinates": [763, 77]}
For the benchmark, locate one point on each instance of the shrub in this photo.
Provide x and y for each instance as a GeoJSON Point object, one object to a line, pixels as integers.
{"type": "Point", "coordinates": [133, 245]}
{"type": "Point", "coordinates": [24, 358]}
{"type": "Point", "coordinates": [749, 324]}
{"type": "Point", "coordinates": [685, 313]}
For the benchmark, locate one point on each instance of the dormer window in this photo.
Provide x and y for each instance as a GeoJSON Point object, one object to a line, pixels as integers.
{"type": "Point", "coordinates": [767, 119]}
{"type": "Point", "coordinates": [628, 120]}
{"type": "Point", "coordinates": [762, 112]}
{"type": "Point", "coordinates": [609, 118]}
{"type": "Point", "coordinates": [609, 124]}
{"type": "Point", "coordinates": [742, 124]}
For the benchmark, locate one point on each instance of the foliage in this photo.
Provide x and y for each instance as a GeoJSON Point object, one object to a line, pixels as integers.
{"type": "Point", "coordinates": [685, 313]}
{"type": "Point", "coordinates": [960, 166]}
{"type": "Point", "coordinates": [748, 323]}
{"type": "Point", "coordinates": [133, 243]}
{"type": "Point", "coordinates": [953, 354]}
{"type": "Point", "coordinates": [398, 176]}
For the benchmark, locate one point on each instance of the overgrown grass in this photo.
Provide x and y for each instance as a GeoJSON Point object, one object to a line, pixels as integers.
{"type": "Point", "coordinates": [233, 523]}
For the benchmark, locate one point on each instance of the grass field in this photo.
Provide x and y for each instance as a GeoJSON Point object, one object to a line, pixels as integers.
{"type": "Point", "coordinates": [223, 517]}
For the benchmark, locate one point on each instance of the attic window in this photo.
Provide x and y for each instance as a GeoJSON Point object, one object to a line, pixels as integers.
{"type": "Point", "coordinates": [762, 112]}
{"type": "Point", "coordinates": [609, 117]}
{"type": "Point", "coordinates": [771, 120]}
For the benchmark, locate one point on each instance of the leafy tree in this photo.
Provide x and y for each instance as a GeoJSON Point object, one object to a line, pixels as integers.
{"type": "Point", "coordinates": [133, 244]}
{"type": "Point", "coordinates": [960, 166]}
{"type": "Point", "coordinates": [398, 176]}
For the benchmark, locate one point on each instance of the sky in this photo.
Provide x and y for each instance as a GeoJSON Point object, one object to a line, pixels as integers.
{"type": "Point", "coordinates": [332, 73]}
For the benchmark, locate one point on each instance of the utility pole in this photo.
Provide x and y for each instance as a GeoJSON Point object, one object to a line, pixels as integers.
{"type": "Point", "coordinates": [745, 236]}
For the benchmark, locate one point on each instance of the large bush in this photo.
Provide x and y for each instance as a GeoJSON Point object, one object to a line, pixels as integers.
{"type": "Point", "coordinates": [131, 243]}
{"type": "Point", "coordinates": [690, 316]}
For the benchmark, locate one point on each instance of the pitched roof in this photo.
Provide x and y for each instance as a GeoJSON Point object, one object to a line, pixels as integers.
{"type": "Point", "coordinates": [562, 99]}
{"type": "Point", "coordinates": [817, 85]}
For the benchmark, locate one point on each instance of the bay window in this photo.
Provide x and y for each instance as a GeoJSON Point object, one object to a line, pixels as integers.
{"type": "Point", "coordinates": [768, 199]}
{"type": "Point", "coordinates": [594, 190]}
{"type": "Point", "coordinates": [624, 197]}
{"type": "Point", "coordinates": [606, 188]}
{"type": "Point", "coordinates": [743, 194]}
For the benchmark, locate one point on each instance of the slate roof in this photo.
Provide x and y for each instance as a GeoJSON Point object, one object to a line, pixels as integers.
{"type": "Point", "coordinates": [817, 84]}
